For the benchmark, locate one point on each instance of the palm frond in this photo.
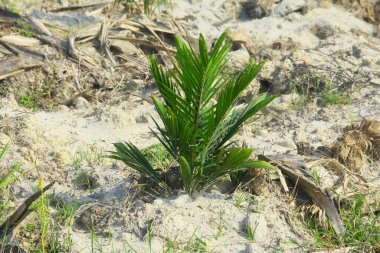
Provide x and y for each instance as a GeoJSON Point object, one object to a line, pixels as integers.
{"type": "Point", "coordinates": [236, 158]}
{"type": "Point", "coordinates": [134, 158]}
{"type": "Point", "coordinates": [233, 90]}
{"type": "Point", "coordinates": [232, 122]}
{"type": "Point", "coordinates": [186, 173]}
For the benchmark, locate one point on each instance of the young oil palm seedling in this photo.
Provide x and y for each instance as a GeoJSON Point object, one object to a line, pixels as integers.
{"type": "Point", "coordinates": [200, 115]}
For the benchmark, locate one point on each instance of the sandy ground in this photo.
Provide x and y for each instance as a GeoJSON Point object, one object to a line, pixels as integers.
{"type": "Point", "coordinates": [326, 37]}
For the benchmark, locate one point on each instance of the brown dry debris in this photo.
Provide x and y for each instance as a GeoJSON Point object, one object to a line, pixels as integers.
{"type": "Point", "coordinates": [261, 183]}
{"type": "Point", "coordinates": [358, 144]}
{"type": "Point", "coordinates": [364, 9]}
{"type": "Point", "coordinates": [292, 168]}
{"type": "Point", "coordinates": [93, 62]}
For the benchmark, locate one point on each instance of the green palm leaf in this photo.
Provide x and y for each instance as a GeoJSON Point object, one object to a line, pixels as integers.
{"type": "Point", "coordinates": [186, 173]}
{"type": "Point", "coordinates": [133, 157]}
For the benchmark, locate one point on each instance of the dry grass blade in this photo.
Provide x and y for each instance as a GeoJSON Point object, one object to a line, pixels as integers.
{"type": "Point", "coordinates": [340, 250]}
{"type": "Point", "coordinates": [83, 60]}
{"type": "Point", "coordinates": [144, 42]}
{"type": "Point", "coordinates": [60, 45]}
{"type": "Point", "coordinates": [104, 44]}
{"type": "Point", "coordinates": [335, 167]}
{"type": "Point", "coordinates": [89, 33]}
{"type": "Point", "coordinates": [134, 24]}
{"type": "Point", "coordinates": [135, 60]}
{"type": "Point", "coordinates": [8, 16]}
{"type": "Point", "coordinates": [282, 181]}
{"type": "Point", "coordinates": [39, 25]}
{"type": "Point", "coordinates": [158, 38]}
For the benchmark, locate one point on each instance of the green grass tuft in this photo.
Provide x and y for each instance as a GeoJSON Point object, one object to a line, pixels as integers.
{"type": "Point", "coordinates": [37, 98]}
{"type": "Point", "coordinates": [333, 98]}
{"type": "Point", "coordinates": [362, 225]}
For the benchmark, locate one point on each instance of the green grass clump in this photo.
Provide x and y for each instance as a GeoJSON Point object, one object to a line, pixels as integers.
{"type": "Point", "coordinates": [362, 228]}
{"type": "Point", "coordinates": [44, 234]}
{"type": "Point", "coordinates": [24, 29]}
{"type": "Point", "coordinates": [200, 115]}
{"type": "Point", "coordinates": [309, 86]}
{"type": "Point", "coordinates": [333, 98]}
{"type": "Point", "coordinates": [38, 98]}
{"type": "Point", "coordinates": [88, 155]}
{"type": "Point", "coordinates": [251, 231]}
{"type": "Point", "coordinates": [158, 156]}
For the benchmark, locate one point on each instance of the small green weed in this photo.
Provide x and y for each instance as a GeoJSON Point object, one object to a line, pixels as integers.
{"type": "Point", "coordinates": [28, 230]}
{"type": "Point", "coordinates": [334, 98]}
{"type": "Point", "coordinates": [6, 178]}
{"type": "Point", "coordinates": [96, 244]}
{"type": "Point", "coordinates": [38, 98]}
{"type": "Point", "coordinates": [158, 156]}
{"type": "Point", "coordinates": [241, 197]}
{"type": "Point", "coordinates": [255, 129]}
{"type": "Point", "coordinates": [300, 103]}
{"type": "Point", "coordinates": [315, 175]}
{"type": "Point", "coordinates": [6, 206]}
{"type": "Point", "coordinates": [195, 244]}
{"type": "Point", "coordinates": [64, 216]}
{"type": "Point", "coordinates": [362, 225]}
{"type": "Point", "coordinates": [10, 5]}
{"type": "Point", "coordinates": [251, 231]}
{"type": "Point", "coordinates": [220, 225]}
{"type": "Point", "coordinates": [309, 86]}
{"type": "Point", "coordinates": [149, 234]}
{"type": "Point", "coordinates": [64, 212]}
{"type": "Point", "coordinates": [352, 119]}
{"type": "Point", "coordinates": [151, 5]}
{"type": "Point", "coordinates": [24, 29]}
{"type": "Point", "coordinates": [42, 235]}
{"type": "Point", "coordinates": [91, 155]}
{"type": "Point", "coordinates": [192, 244]}
{"type": "Point", "coordinates": [41, 207]}
{"type": "Point", "coordinates": [128, 248]}
{"type": "Point", "coordinates": [83, 181]}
